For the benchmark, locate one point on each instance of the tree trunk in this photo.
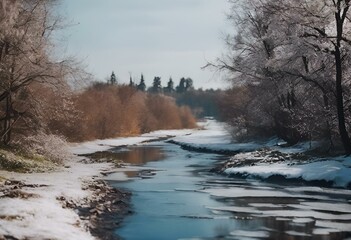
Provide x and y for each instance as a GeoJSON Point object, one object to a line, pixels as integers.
{"type": "Point", "coordinates": [6, 134]}
{"type": "Point", "coordinates": [345, 138]}
{"type": "Point", "coordinates": [340, 103]}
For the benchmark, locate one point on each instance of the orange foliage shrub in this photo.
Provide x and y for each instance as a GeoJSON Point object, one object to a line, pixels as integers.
{"type": "Point", "coordinates": [108, 111]}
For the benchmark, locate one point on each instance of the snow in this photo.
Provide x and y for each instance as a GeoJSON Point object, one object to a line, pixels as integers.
{"type": "Point", "coordinates": [303, 220]}
{"type": "Point", "coordinates": [324, 231]}
{"type": "Point", "coordinates": [337, 171]}
{"type": "Point", "coordinates": [295, 233]}
{"type": "Point", "coordinates": [238, 192]}
{"type": "Point", "coordinates": [215, 137]}
{"type": "Point", "coordinates": [298, 213]}
{"type": "Point", "coordinates": [42, 216]}
{"type": "Point", "coordinates": [105, 144]}
{"type": "Point", "coordinates": [253, 234]}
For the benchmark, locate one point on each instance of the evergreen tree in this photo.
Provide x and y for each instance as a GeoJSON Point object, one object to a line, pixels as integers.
{"type": "Point", "coordinates": [182, 86]}
{"type": "Point", "coordinates": [156, 85]}
{"type": "Point", "coordinates": [113, 79]}
{"type": "Point", "coordinates": [170, 86]}
{"type": "Point", "coordinates": [141, 86]}
{"type": "Point", "coordinates": [131, 83]}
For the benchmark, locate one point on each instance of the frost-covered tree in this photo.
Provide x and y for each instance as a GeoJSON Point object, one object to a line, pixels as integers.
{"type": "Point", "coordinates": [26, 29]}
{"type": "Point", "coordinates": [294, 57]}
{"type": "Point", "coordinates": [319, 52]}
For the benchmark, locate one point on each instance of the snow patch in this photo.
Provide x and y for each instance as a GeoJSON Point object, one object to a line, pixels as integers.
{"type": "Point", "coordinates": [251, 234]}
{"type": "Point", "coordinates": [43, 217]}
{"type": "Point", "coordinates": [336, 171]}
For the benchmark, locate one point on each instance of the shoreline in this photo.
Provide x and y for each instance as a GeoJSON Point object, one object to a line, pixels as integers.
{"type": "Point", "coordinates": [76, 201]}
{"type": "Point", "coordinates": [71, 202]}
{"type": "Point", "coordinates": [106, 211]}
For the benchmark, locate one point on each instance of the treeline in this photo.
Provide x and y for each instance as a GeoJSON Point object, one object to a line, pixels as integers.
{"type": "Point", "coordinates": [290, 67]}
{"type": "Point", "coordinates": [201, 102]}
{"type": "Point", "coordinates": [36, 98]}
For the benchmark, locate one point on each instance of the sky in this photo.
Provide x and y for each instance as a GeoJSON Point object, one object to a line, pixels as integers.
{"type": "Point", "coordinates": [165, 38]}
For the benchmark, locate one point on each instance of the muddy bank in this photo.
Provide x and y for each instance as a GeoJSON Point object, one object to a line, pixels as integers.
{"type": "Point", "coordinates": [105, 211]}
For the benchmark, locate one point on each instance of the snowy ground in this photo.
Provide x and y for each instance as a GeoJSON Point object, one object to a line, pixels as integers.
{"type": "Point", "coordinates": [41, 215]}
{"type": "Point", "coordinates": [335, 170]}
{"type": "Point", "coordinates": [103, 145]}
{"type": "Point", "coordinates": [36, 211]}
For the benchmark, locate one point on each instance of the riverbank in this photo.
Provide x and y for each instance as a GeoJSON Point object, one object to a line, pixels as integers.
{"type": "Point", "coordinates": [70, 201]}
{"type": "Point", "coordinates": [180, 192]}
{"type": "Point", "coordinates": [42, 205]}
{"type": "Point", "coordinates": [268, 160]}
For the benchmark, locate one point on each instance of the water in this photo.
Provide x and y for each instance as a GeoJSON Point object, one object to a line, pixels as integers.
{"type": "Point", "coordinates": [181, 199]}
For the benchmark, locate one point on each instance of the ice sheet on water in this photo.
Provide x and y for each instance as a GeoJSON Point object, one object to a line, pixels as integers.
{"type": "Point", "coordinates": [324, 231]}
{"type": "Point", "coordinates": [266, 205]}
{"type": "Point", "coordinates": [236, 209]}
{"type": "Point", "coordinates": [250, 234]}
{"type": "Point", "coordinates": [324, 206]}
{"type": "Point", "coordinates": [238, 192]}
{"type": "Point", "coordinates": [282, 219]}
{"type": "Point", "coordinates": [341, 226]}
{"type": "Point", "coordinates": [297, 234]}
{"type": "Point", "coordinates": [305, 213]}
{"type": "Point", "coordinates": [303, 220]}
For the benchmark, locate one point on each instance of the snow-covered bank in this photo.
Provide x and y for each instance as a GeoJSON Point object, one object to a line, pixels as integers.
{"type": "Point", "coordinates": [105, 144]}
{"type": "Point", "coordinates": [44, 205]}
{"type": "Point", "coordinates": [336, 171]}
{"type": "Point", "coordinates": [36, 211]}
{"type": "Point", "coordinates": [35, 205]}
{"type": "Point", "coordinates": [215, 138]}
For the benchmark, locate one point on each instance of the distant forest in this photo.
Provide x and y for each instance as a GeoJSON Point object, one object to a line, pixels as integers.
{"type": "Point", "coordinates": [42, 103]}
{"type": "Point", "coordinates": [202, 102]}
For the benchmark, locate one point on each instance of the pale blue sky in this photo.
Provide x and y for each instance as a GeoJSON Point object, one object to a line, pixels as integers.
{"type": "Point", "coordinates": [154, 37]}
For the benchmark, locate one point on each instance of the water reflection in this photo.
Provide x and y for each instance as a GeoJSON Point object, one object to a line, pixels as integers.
{"type": "Point", "coordinates": [140, 155]}
{"type": "Point", "coordinates": [184, 201]}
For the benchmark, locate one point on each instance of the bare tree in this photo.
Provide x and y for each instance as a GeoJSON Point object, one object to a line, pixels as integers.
{"type": "Point", "coordinates": [25, 59]}
{"type": "Point", "coordinates": [300, 49]}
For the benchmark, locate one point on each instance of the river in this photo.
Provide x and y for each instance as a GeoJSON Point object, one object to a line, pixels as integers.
{"type": "Point", "coordinates": [176, 196]}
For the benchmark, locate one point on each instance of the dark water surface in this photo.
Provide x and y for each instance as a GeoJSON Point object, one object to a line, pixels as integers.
{"type": "Point", "coordinates": [181, 199]}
